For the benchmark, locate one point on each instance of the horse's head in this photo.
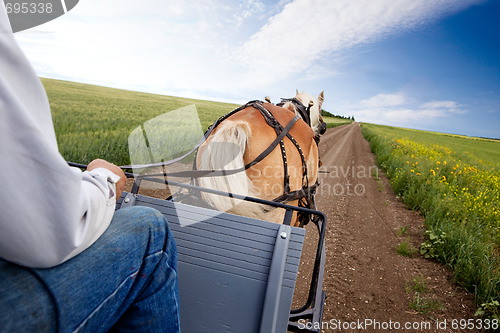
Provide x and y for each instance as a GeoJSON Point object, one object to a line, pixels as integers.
{"type": "Point", "coordinates": [309, 108]}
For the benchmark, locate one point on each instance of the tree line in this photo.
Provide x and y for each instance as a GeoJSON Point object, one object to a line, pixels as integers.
{"type": "Point", "coordinates": [325, 113]}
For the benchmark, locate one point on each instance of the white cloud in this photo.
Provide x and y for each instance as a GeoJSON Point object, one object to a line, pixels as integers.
{"type": "Point", "coordinates": [305, 31]}
{"type": "Point", "coordinates": [219, 48]}
{"type": "Point", "coordinates": [382, 100]}
{"type": "Point", "coordinates": [400, 110]}
{"type": "Point", "coordinates": [448, 106]}
{"type": "Point", "coordinates": [168, 47]}
{"type": "Point", "coordinates": [251, 7]}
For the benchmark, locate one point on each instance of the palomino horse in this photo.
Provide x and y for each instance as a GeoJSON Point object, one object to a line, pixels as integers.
{"type": "Point", "coordinates": [287, 169]}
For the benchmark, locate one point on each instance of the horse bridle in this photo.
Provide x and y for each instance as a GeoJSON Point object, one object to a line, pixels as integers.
{"type": "Point", "coordinates": [305, 114]}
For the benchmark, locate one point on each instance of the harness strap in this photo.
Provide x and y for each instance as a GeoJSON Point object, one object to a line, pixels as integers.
{"type": "Point", "coordinates": [301, 109]}
{"type": "Point", "coordinates": [284, 132]}
{"type": "Point", "coordinates": [271, 121]}
{"type": "Point", "coordinates": [215, 173]}
{"type": "Point", "coordinates": [305, 192]}
{"type": "Point", "coordinates": [306, 197]}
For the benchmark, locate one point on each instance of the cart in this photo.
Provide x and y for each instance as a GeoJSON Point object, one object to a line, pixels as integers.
{"type": "Point", "coordinates": [238, 274]}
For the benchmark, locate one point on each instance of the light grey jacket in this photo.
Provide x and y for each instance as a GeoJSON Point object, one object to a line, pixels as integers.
{"type": "Point", "coordinates": [49, 212]}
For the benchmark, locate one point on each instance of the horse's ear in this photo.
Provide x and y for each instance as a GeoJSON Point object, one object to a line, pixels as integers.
{"type": "Point", "coordinates": [296, 92]}
{"type": "Point", "coordinates": [321, 98]}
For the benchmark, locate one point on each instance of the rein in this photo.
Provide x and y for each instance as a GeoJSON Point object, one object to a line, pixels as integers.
{"type": "Point", "coordinates": [281, 133]}
{"type": "Point", "coordinates": [305, 195]}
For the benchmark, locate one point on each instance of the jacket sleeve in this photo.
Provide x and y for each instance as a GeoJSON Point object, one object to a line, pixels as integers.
{"type": "Point", "coordinates": [49, 212]}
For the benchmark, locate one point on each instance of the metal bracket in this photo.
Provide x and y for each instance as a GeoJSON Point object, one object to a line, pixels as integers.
{"type": "Point", "coordinates": [129, 200]}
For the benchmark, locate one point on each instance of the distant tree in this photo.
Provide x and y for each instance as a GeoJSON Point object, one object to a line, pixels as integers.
{"type": "Point", "coordinates": [325, 113]}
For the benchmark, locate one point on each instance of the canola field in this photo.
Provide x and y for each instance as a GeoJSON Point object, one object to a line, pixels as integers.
{"type": "Point", "coordinates": [454, 182]}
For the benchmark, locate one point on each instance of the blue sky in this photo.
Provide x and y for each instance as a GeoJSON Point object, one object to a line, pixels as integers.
{"type": "Point", "coordinates": [432, 65]}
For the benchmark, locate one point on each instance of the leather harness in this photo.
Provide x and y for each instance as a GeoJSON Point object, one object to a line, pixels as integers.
{"type": "Point", "coordinates": [306, 194]}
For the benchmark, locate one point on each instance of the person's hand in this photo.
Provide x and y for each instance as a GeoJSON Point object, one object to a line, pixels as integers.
{"type": "Point", "coordinates": [98, 163]}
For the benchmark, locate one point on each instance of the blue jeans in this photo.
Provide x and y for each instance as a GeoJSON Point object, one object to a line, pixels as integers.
{"type": "Point", "coordinates": [125, 282]}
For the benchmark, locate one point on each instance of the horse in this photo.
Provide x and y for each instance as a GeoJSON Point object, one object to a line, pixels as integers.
{"type": "Point", "coordinates": [247, 140]}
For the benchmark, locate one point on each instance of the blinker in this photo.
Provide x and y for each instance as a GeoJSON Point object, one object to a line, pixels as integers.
{"type": "Point", "coordinates": [311, 103]}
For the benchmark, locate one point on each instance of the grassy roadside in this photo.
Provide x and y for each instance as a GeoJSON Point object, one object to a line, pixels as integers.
{"type": "Point", "coordinates": [457, 189]}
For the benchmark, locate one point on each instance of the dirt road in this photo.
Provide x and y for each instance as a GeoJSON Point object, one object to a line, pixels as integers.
{"type": "Point", "coordinates": [365, 278]}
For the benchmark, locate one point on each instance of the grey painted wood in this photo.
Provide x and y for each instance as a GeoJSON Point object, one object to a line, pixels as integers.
{"type": "Point", "coordinates": [231, 268]}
